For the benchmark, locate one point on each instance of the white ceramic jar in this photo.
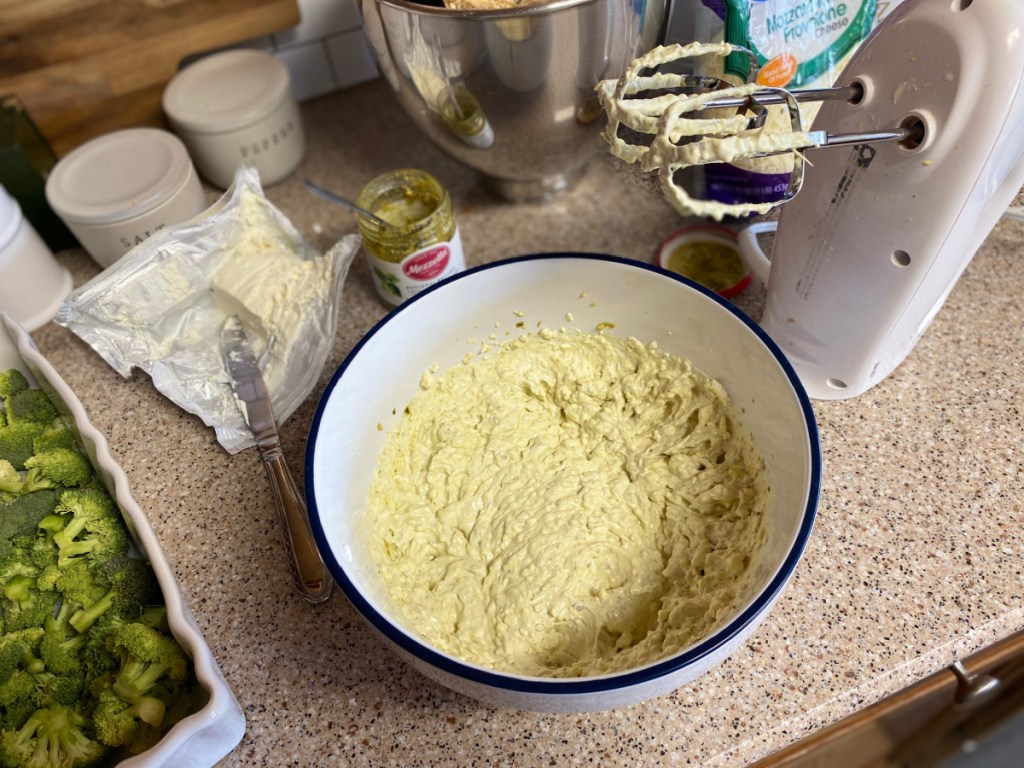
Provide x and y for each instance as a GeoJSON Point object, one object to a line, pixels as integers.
{"type": "Point", "coordinates": [32, 282]}
{"type": "Point", "coordinates": [116, 190]}
{"type": "Point", "coordinates": [237, 107]}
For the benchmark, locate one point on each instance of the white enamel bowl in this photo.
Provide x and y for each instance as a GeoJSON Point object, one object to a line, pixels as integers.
{"type": "Point", "coordinates": [438, 327]}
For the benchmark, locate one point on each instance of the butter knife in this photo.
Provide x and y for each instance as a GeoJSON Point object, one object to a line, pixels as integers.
{"type": "Point", "coordinates": [307, 566]}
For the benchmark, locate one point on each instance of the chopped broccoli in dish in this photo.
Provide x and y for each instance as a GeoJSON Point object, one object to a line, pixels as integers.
{"type": "Point", "coordinates": [89, 671]}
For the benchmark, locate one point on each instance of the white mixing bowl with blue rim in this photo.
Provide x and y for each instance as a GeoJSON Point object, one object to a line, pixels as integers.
{"type": "Point", "coordinates": [369, 391]}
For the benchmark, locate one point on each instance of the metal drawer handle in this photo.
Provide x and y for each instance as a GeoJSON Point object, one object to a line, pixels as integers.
{"type": "Point", "coordinates": [973, 690]}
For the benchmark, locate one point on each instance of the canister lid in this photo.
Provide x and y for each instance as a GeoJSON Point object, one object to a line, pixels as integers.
{"type": "Point", "coordinates": [118, 176]}
{"type": "Point", "coordinates": [226, 91]}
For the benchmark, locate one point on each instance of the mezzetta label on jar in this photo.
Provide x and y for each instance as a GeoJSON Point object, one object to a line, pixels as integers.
{"type": "Point", "coordinates": [399, 281]}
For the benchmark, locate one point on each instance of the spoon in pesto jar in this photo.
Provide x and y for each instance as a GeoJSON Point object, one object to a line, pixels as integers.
{"type": "Point", "coordinates": [326, 195]}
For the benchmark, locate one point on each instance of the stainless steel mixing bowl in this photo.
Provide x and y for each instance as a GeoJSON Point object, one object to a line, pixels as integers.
{"type": "Point", "coordinates": [510, 93]}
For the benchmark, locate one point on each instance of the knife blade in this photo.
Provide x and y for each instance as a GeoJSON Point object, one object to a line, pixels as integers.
{"type": "Point", "coordinates": [250, 390]}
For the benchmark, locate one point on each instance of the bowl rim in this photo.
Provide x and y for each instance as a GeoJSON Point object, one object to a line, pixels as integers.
{"type": "Point", "coordinates": [483, 14]}
{"type": "Point", "coordinates": [707, 647]}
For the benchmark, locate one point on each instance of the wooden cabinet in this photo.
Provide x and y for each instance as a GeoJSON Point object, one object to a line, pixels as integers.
{"type": "Point", "coordinates": [923, 724]}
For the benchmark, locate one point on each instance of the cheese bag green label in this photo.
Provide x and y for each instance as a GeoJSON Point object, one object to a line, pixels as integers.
{"type": "Point", "coordinates": [796, 44]}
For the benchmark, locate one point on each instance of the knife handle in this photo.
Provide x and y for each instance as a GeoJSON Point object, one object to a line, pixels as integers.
{"type": "Point", "coordinates": [307, 566]}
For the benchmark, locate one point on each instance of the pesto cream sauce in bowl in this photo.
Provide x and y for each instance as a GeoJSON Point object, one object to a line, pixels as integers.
{"type": "Point", "coordinates": [471, 316]}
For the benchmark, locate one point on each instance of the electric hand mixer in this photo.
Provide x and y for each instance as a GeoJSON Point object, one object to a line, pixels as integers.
{"type": "Point", "coordinates": [872, 236]}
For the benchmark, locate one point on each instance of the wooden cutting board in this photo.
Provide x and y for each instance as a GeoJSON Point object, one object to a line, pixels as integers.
{"type": "Point", "coordinates": [86, 67]}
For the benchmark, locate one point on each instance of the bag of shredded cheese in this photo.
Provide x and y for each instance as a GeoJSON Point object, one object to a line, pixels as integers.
{"type": "Point", "coordinates": [797, 44]}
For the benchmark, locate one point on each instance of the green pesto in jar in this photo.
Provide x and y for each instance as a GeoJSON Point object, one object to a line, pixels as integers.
{"type": "Point", "coordinates": [417, 207]}
{"type": "Point", "coordinates": [420, 244]}
{"type": "Point", "coordinates": [713, 264]}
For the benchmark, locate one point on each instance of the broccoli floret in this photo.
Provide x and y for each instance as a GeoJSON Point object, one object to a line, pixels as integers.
{"type": "Point", "coordinates": [27, 682]}
{"type": "Point", "coordinates": [61, 645]}
{"type": "Point", "coordinates": [36, 549]}
{"type": "Point", "coordinates": [122, 724]}
{"type": "Point", "coordinates": [93, 527]}
{"type": "Point", "coordinates": [82, 590]}
{"type": "Point", "coordinates": [79, 585]}
{"type": "Point", "coordinates": [30, 611]}
{"type": "Point", "coordinates": [19, 521]}
{"type": "Point", "coordinates": [132, 587]}
{"type": "Point", "coordinates": [30, 405]}
{"type": "Point", "coordinates": [98, 660]}
{"type": "Point", "coordinates": [52, 737]}
{"type": "Point", "coordinates": [56, 468]}
{"type": "Point", "coordinates": [23, 654]}
{"type": "Point", "coordinates": [64, 689]}
{"type": "Point", "coordinates": [17, 442]}
{"type": "Point", "coordinates": [21, 516]}
{"type": "Point", "coordinates": [22, 603]}
{"type": "Point", "coordinates": [19, 698]}
{"type": "Point", "coordinates": [10, 478]}
{"type": "Point", "coordinates": [55, 436]}
{"type": "Point", "coordinates": [12, 381]}
{"type": "Point", "coordinates": [152, 689]}
{"type": "Point", "coordinates": [147, 657]}
{"type": "Point", "coordinates": [16, 648]}
{"type": "Point", "coordinates": [155, 617]}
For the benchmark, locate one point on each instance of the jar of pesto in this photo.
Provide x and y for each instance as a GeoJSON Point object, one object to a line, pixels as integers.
{"type": "Point", "coordinates": [420, 243]}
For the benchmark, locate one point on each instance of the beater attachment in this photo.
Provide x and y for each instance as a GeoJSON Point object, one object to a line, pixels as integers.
{"type": "Point", "coordinates": [684, 114]}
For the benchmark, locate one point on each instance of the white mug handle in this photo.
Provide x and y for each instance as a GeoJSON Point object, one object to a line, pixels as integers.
{"type": "Point", "coordinates": [750, 248]}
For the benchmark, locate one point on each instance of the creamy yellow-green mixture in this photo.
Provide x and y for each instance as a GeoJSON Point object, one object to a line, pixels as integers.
{"type": "Point", "coordinates": [567, 504]}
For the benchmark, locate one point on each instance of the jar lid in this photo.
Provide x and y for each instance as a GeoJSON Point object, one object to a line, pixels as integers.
{"type": "Point", "coordinates": [226, 91]}
{"type": "Point", "coordinates": [118, 176]}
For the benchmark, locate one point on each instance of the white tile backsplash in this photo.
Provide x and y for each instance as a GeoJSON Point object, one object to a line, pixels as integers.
{"type": "Point", "coordinates": [326, 51]}
{"type": "Point", "coordinates": [321, 19]}
{"type": "Point", "coordinates": [351, 58]}
{"type": "Point", "coordinates": [310, 69]}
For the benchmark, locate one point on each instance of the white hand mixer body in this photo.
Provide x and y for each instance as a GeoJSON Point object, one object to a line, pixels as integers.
{"type": "Point", "coordinates": [868, 251]}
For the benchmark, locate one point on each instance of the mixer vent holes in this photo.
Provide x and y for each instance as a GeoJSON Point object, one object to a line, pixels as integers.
{"type": "Point", "coordinates": [914, 127]}
{"type": "Point", "coordinates": [900, 258]}
{"type": "Point", "coordinates": [858, 92]}
{"type": "Point", "coordinates": [836, 383]}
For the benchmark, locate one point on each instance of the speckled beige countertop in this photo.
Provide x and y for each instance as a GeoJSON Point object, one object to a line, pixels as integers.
{"type": "Point", "coordinates": [915, 559]}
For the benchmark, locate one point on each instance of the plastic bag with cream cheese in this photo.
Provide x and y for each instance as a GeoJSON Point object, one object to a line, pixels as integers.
{"type": "Point", "coordinates": [162, 306]}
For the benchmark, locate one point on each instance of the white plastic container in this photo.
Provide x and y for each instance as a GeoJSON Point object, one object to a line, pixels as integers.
{"type": "Point", "coordinates": [237, 107]}
{"type": "Point", "coordinates": [115, 191]}
{"type": "Point", "coordinates": [32, 281]}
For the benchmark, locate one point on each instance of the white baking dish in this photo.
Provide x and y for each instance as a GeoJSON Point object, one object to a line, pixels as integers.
{"type": "Point", "coordinates": [204, 737]}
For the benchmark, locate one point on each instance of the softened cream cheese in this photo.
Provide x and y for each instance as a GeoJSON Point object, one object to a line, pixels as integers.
{"type": "Point", "coordinates": [276, 291]}
{"type": "Point", "coordinates": [567, 504]}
